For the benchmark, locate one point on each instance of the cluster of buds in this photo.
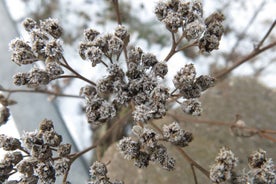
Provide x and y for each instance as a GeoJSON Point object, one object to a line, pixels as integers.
{"type": "Point", "coordinates": [188, 16]}
{"type": "Point", "coordinates": [98, 173]}
{"type": "Point", "coordinates": [146, 146]}
{"type": "Point", "coordinates": [4, 110]}
{"type": "Point", "coordinates": [33, 157]}
{"type": "Point", "coordinates": [138, 84]}
{"type": "Point", "coordinates": [45, 46]}
{"type": "Point", "coordinates": [225, 162]}
{"type": "Point", "coordinates": [191, 87]}
{"type": "Point", "coordinates": [262, 169]}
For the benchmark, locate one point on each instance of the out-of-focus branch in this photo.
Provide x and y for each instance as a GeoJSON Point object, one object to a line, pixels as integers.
{"type": "Point", "coordinates": [257, 50]}
{"type": "Point", "coordinates": [243, 33]}
{"type": "Point", "coordinates": [264, 133]}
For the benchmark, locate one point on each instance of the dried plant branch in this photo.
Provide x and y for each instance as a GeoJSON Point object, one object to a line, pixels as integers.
{"type": "Point", "coordinates": [39, 91]}
{"type": "Point", "coordinates": [257, 50]}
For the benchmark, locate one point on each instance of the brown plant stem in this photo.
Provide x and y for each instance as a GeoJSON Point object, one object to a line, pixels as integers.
{"type": "Point", "coordinates": [254, 131]}
{"type": "Point", "coordinates": [257, 50]}
{"type": "Point", "coordinates": [194, 174]}
{"type": "Point", "coordinates": [119, 21]}
{"type": "Point", "coordinates": [67, 66]}
{"type": "Point", "coordinates": [39, 91]}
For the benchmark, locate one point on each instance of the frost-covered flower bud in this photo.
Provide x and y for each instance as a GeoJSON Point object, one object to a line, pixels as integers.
{"type": "Point", "coordinates": [64, 150]}
{"type": "Point", "coordinates": [177, 136]}
{"type": "Point", "coordinates": [94, 54]}
{"type": "Point", "coordinates": [29, 24]}
{"type": "Point", "coordinates": [90, 34]}
{"type": "Point", "coordinates": [52, 27]}
{"type": "Point", "coordinates": [160, 69]}
{"type": "Point", "coordinates": [129, 148]}
{"type": "Point", "coordinates": [192, 106]}
{"type": "Point", "coordinates": [13, 157]}
{"type": "Point", "coordinates": [149, 60]}
{"type": "Point", "coordinates": [223, 168]}
{"type": "Point", "coordinates": [61, 166]}
{"type": "Point", "coordinates": [9, 143]}
{"type": "Point", "coordinates": [205, 82]}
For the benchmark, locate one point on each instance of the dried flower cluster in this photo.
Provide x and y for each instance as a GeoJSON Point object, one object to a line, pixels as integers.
{"type": "Point", "coordinates": [190, 87]}
{"type": "Point", "coordinates": [188, 16]}
{"type": "Point", "coordinates": [223, 168]}
{"type": "Point", "coordinates": [139, 84]}
{"type": "Point", "coordinates": [33, 155]}
{"type": "Point", "coordinates": [262, 169]}
{"type": "Point", "coordinates": [4, 109]}
{"type": "Point", "coordinates": [45, 46]}
{"type": "Point", "coordinates": [147, 147]}
{"type": "Point", "coordinates": [98, 173]}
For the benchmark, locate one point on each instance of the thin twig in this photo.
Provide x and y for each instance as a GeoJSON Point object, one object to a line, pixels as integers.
{"type": "Point", "coordinates": [266, 35]}
{"type": "Point", "coordinates": [119, 20]}
{"type": "Point", "coordinates": [39, 91]}
{"type": "Point", "coordinates": [194, 174]}
{"type": "Point", "coordinates": [254, 53]}
{"type": "Point", "coordinates": [67, 66]}
{"type": "Point", "coordinates": [242, 34]}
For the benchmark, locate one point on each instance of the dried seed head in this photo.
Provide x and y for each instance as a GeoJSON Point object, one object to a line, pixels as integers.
{"type": "Point", "coordinates": [142, 160]}
{"type": "Point", "coordinates": [41, 152]}
{"type": "Point", "coordinates": [64, 150]}
{"type": "Point", "coordinates": [52, 27]}
{"type": "Point", "coordinates": [52, 138]}
{"type": "Point", "coordinates": [54, 70]}
{"type": "Point", "coordinates": [192, 106]}
{"type": "Point", "coordinates": [257, 159]}
{"type": "Point", "coordinates": [13, 157]}
{"type": "Point", "coordinates": [160, 69]}
{"type": "Point", "coordinates": [185, 77]}
{"type": "Point", "coordinates": [90, 34]}
{"type": "Point", "coordinates": [61, 166]}
{"type": "Point", "coordinates": [129, 149]}
{"type": "Point", "coordinates": [122, 33]}
{"type": "Point", "coordinates": [54, 49]}
{"type": "Point", "coordinates": [26, 166]}
{"type": "Point", "coordinates": [9, 143]}
{"type": "Point", "coordinates": [46, 172]}
{"type": "Point", "coordinates": [177, 136]}
{"type": "Point", "coordinates": [149, 60]}
{"type": "Point", "coordinates": [205, 82]}
{"type": "Point", "coordinates": [29, 24]}
{"type": "Point", "coordinates": [98, 170]}
{"type": "Point", "coordinates": [134, 55]}
{"type": "Point", "coordinates": [223, 168]}
{"type": "Point", "coordinates": [46, 125]}
{"type": "Point", "coordinates": [94, 54]}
